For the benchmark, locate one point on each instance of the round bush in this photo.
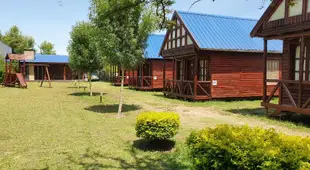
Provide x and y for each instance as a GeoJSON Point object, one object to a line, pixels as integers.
{"type": "Point", "coordinates": [157, 125]}
{"type": "Point", "coordinates": [243, 147]}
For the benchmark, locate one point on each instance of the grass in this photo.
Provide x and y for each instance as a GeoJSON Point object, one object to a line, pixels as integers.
{"type": "Point", "coordinates": [64, 128]}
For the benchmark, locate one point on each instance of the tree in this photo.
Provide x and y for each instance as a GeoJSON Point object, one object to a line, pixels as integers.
{"type": "Point", "coordinates": [19, 42]}
{"type": "Point", "coordinates": [82, 50]}
{"type": "Point", "coordinates": [122, 37]}
{"type": "Point", "coordinates": [47, 48]}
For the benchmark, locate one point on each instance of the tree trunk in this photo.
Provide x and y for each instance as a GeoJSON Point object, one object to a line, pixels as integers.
{"type": "Point", "coordinates": [79, 80]}
{"type": "Point", "coordinates": [90, 87]}
{"type": "Point", "coordinates": [120, 106]}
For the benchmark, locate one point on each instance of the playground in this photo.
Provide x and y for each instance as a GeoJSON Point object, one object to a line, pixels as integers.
{"type": "Point", "coordinates": [64, 128]}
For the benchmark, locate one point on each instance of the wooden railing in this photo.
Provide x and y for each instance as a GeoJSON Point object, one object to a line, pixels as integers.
{"type": "Point", "coordinates": [187, 88]}
{"type": "Point", "coordinates": [290, 95]}
{"type": "Point", "coordinates": [118, 80]}
{"type": "Point", "coordinates": [141, 81]}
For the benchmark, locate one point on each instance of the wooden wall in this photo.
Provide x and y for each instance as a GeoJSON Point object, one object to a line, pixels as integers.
{"type": "Point", "coordinates": [238, 74]}
{"type": "Point", "coordinates": [157, 70]}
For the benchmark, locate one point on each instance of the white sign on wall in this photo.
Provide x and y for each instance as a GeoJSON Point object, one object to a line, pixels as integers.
{"type": "Point", "coordinates": [214, 82]}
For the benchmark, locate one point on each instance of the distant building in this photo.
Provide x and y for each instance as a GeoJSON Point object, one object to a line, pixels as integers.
{"type": "Point", "coordinates": [58, 67]}
{"type": "Point", "coordinates": [4, 49]}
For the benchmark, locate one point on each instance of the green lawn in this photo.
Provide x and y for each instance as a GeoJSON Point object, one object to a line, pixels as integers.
{"type": "Point", "coordinates": [63, 128]}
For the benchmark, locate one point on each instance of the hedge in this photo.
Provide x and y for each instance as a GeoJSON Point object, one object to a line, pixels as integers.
{"type": "Point", "coordinates": [157, 125]}
{"type": "Point", "coordinates": [242, 147]}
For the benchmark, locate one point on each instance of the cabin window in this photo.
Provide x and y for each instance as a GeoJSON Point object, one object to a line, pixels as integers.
{"type": "Point", "coordinates": [203, 70]}
{"type": "Point", "coordinates": [295, 9]}
{"type": "Point", "coordinates": [178, 42]}
{"type": "Point", "coordinates": [279, 13]}
{"type": "Point", "coordinates": [273, 69]}
{"type": "Point", "coordinates": [178, 32]}
{"type": "Point", "coordinates": [308, 6]}
{"type": "Point", "coordinates": [189, 40]}
{"type": "Point", "coordinates": [179, 67]}
{"type": "Point", "coordinates": [183, 41]}
{"type": "Point", "coordinates": [297, 62]}
{"type": "Point", "coordinates": [173, 43]}
{"type": "Point", "coordinates": [183, 31]}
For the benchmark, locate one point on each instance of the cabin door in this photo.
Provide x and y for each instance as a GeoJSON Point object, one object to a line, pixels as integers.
{"type": "Point", "coordinates": [39, 72]}
{"type": "Point", "coordinates": [190, 70]}
{"type": "Point", "coordinates": [147, 75]}
{"type": "Point", "coordinates": [147, 70]}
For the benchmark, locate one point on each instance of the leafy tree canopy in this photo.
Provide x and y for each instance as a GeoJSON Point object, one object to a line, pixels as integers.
{"type": "Point", "coordinates": [121, 37]}
{"type": "Point", "coordinates": [47, 48]}
{"type": "Point", "coordinates": [15, 39]}
{"type": "Point", "coordinates": [82, 49]}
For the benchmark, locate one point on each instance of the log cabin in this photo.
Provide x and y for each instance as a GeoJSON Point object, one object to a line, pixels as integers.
{"type": "Point", "coordinates": [149, 75]}
{"type": "Point", "coordinates": [58, 66]}
{"type": "Point", "coordinates": [215, 58]}
{"type": "Point", "coordinates": [290, 23]}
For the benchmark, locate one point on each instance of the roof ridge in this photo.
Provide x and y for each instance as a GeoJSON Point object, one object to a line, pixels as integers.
{"type": "Point", "coordinates": [215, 15]}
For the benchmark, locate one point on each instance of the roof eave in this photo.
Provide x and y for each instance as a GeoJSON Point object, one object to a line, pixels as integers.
{"type": "Point", "coordinates": [245, 51]}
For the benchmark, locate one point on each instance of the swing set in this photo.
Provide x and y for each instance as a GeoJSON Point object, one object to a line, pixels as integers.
{"type": "Point", "coordinates": [15, 70]}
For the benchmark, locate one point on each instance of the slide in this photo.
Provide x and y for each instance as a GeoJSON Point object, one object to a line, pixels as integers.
{"type": "Point", "coordinates": [21, 79]}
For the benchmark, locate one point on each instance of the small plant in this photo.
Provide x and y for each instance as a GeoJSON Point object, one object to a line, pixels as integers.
{"type": "Point", "coordinates": [243, 147]}
{"type": "Point", "coordinates": [157, 125]}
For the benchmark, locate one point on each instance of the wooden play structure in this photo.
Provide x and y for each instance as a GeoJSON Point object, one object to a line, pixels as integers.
{"type": "Point", "coordinates": [15, 70]}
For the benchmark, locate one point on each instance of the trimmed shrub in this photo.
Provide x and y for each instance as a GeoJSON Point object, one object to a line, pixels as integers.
{"type": "Point", "coordinates": [242, 147]}
{"type": "Point", "coordinates": [157, 125]}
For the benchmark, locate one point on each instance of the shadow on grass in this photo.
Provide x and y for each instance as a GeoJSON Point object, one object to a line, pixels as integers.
{"type": "Point", "coordinates": [154, 145]}
{"type": "Point", "coordinates": [297, 119]}
{"type": "Point", "coordinates": [85, 94]}
{"type": "Point", "coordinates": [131, 159]}
{"type": "Point", "coordinates": [113, 108]}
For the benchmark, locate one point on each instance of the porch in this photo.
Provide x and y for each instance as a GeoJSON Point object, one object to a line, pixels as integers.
{"type": "Point", "coordinates": [115, 76]}
{"type": "Point", "coordinates": [294, 88]}
{"type": "Point", "coordinates": [191, 78]}
{"type": "Point", "coordinates": [199, 90]}
{"type": "Point", "coordinates": [142, 77]}
{"type": "Point", "coordinates": [141, 82]}
{"type": "Point", "coordinates": [117, 80]}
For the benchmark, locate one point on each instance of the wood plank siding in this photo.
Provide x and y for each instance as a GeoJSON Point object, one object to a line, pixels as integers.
{"type": "Point", "coordinates": [238, 74]}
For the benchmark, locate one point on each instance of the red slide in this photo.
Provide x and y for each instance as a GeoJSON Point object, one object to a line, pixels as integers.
{"type": "Point", "coordinates": [21, 79]}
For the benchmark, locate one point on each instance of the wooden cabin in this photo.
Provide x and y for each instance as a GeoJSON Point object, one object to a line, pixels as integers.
{"type": "Point", "coordinates": [58, 66]}
{"type": "Point", "coordinates": [149, 75]}
{"type": "Point", "coordinates": [214, 58]}
{"type": "Point", "coordinates": [290, 23]}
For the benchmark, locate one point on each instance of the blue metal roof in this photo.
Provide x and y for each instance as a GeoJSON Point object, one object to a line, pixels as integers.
{"type": "Point", "coordinates": [225, 33]}
{"type": "Point", "coordinates": [42, 58]}
{"type": "Point", "coordinates": [154, 43]}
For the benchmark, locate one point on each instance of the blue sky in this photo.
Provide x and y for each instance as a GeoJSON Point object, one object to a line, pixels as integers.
{"type": "Point", "coordinates": [46, 20]}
